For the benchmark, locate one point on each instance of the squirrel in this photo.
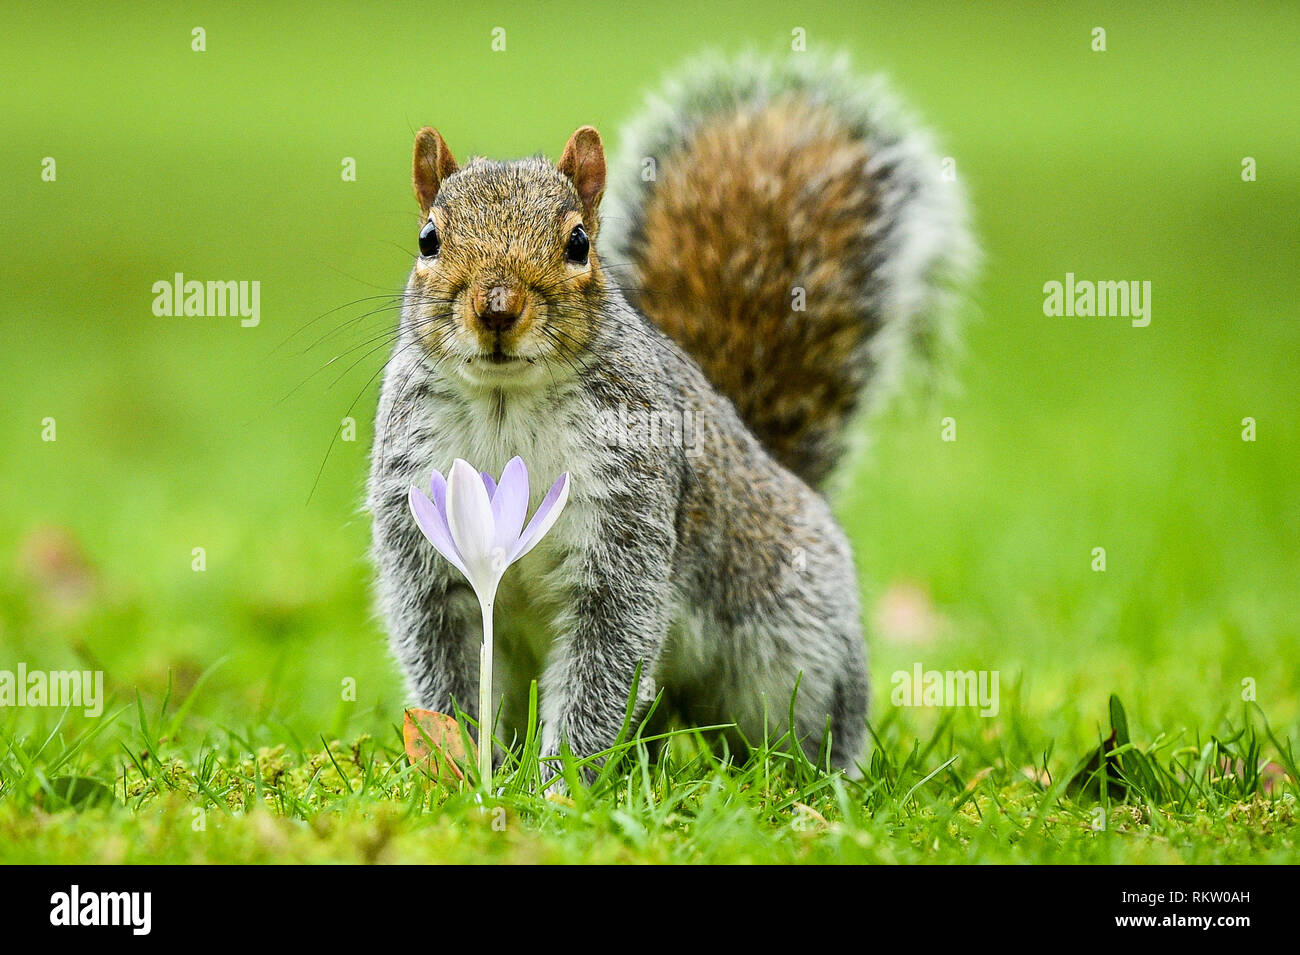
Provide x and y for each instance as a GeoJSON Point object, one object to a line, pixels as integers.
{"type": "Point", "coordinates": [779, 241]}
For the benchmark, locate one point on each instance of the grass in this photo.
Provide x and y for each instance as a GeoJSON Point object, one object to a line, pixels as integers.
{"type": "Point", "coordinates": [256, 697]}
{"type": "Point", "coordinates": [967, 793]}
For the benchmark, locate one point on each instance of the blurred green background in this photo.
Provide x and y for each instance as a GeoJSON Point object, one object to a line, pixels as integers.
{"type": "Point", "coordinates": [1073, 433]}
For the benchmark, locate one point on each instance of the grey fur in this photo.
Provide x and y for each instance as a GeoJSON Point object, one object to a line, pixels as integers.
{"type": "Point", "coordinates": [719, 571]}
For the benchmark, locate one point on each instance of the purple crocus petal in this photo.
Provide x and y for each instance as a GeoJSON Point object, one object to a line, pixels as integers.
{"type": "Point", "coordinates": [433, 525]}
{"type": "Point", "coordinates": [438, 491]}
{"type": "Point", "coordinates": [547, 514]}
{"type": "Point", "coordinates": [488, 483]}
{"type": "Point", "coordinates": [510, 504]}
{"type": "Point", "coordinates": [469, 518]}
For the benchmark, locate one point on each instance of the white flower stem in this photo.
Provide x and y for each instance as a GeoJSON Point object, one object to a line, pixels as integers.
{"type": "Point", "coordinates": [485, 700]}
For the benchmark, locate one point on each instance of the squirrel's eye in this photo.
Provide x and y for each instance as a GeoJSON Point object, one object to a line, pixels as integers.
{"type": "Point", "coordinates": [579, 245]}
{"type": "Point", "coordinates": [429, 241]}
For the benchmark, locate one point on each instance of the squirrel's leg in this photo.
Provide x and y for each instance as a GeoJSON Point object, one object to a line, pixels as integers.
{"type": "Point", "coordinates": [616, 618]}
{"type": "Point", "coordinates": [436, 642]}
{"type": "Point", "coordinates": [433, 617]}
{"type": "Point", "coordinates": [849, 710]}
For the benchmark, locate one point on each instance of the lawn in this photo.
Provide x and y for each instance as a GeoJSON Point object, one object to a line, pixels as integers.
{"type": "Point", "coordinates": [194, 528]}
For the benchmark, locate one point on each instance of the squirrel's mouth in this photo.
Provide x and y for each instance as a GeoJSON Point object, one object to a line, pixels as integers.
{"type": "Point", "coordinates": [493, 365]}
{"type": "Point", "coordinates": [497, 359]}
{"type": "Point", "coordinates": [498, 369]}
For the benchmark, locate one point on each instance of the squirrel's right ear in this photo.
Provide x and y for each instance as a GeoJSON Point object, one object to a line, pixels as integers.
{"type": "Point", "coordinates": [433, 162]}
{"type": "Point", "coordinates": [583, 162]}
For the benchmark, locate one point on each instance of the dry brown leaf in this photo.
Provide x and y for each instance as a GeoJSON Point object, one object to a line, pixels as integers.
{"type": "Point", "coordinates": [906, 615]}
{"type": "Point", "coordinates": [434, 744]}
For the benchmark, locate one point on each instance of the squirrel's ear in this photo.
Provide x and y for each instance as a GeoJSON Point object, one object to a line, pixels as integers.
{"type": "Point", "coordinates": [432, 164]}
{"type": "Point", "coordinates": [584, 163]}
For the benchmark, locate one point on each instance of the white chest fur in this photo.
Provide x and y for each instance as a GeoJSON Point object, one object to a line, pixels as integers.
{"type": "Point", "coordinates": [487, 429]}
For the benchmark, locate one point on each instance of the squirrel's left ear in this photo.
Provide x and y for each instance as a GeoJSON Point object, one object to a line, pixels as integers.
{"type": "Point", "coordinates": [433, 162]}
{"type": "Point", "coordinates": [584, 163]}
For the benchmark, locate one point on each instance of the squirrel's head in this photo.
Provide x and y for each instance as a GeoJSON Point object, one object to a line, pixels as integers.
{"type": "Point", "coordinates": [507, 288]}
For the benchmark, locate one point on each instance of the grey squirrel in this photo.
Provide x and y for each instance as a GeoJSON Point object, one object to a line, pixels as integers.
{"type": "Point", "coordinates": [777, 243]}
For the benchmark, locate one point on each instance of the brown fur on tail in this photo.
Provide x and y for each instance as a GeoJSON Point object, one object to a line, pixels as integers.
{"type": "Point", "coordinates": [789, 232]}
{"type": "Point", "coordinates": [746, 259]}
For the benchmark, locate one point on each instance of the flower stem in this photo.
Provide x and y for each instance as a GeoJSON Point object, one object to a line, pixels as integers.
{"type": "Point", "coordinates": [485, 700]}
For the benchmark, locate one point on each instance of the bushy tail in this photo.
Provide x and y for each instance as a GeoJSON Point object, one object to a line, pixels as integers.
{"type": "Point", "coordinates": [787, 226]}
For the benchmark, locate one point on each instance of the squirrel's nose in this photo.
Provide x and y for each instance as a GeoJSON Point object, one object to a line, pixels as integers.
{"type": "Point", "coordinates": [498, 307]}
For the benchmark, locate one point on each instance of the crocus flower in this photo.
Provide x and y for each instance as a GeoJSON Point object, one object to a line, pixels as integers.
{"type": "Point", "coordinates": [478, 525]}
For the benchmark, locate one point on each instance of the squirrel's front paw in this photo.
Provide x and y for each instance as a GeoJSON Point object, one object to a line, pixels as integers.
{"type": "Point", "coordinates": [553, 784]}
{"type": "Point", "coordinates": [552, 778]}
